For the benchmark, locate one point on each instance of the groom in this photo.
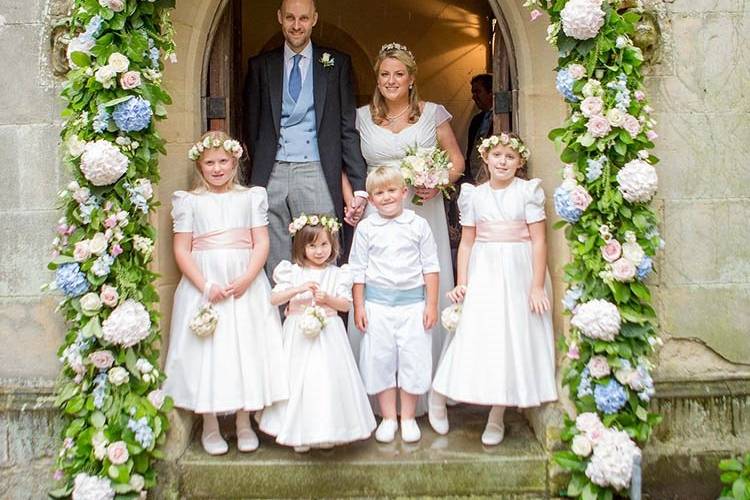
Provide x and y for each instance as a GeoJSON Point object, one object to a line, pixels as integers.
{"type": "Point", "coordinates": [300, 128]}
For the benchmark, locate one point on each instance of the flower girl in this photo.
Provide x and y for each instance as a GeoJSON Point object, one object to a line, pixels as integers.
{"type": "Point", "coordinates": [327, 403]}
{"type": "Point", "coordinates": [221, 245]}
{"type": "Point", "coordinates": [502, 353]}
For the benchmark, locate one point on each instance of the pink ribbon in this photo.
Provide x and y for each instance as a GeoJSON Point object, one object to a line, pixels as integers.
{"type": "Point", "coordinates": [502, 231]}
{"type": "Point", "coordinates": [241, 238]}
{"type": "Point", "coordinates": [299, 306]}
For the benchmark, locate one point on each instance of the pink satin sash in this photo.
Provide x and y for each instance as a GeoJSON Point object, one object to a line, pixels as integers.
{"type": "Point", "coordinates": [241, 238]}
{"type": "Point", "coordinates": [299, 306]}
{"type": "Point", "coordinates": [502, 231]}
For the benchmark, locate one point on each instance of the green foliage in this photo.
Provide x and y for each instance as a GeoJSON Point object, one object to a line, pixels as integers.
{"type": "Point", "coordinates": [735, 475]}
{"type": "Point", "coordinates": [100, 410]}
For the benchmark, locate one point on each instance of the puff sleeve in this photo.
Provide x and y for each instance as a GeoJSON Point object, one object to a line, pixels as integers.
{"type": "Point", "coordinates": [441, 115]}
{"type": "Point", "coordinates": [283, 276]}
{"type": "Point", "coordinates": [344, 282]}
{"type": "Point", "coordinates": [534, 201]}
{"type": "Point", "coordinates": [182, 212]}
{"type": "Point", "coordinates": [465, 205]}
{"type": "Point", "coordinates": [258, 207]}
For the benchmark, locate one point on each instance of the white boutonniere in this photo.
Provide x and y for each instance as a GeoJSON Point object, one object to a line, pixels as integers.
{"type": "Point", "coordinates": [326, 60]}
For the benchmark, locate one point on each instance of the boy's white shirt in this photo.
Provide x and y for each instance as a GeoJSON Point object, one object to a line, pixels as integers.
{"type": "Point", "coordinates": [393, 253]}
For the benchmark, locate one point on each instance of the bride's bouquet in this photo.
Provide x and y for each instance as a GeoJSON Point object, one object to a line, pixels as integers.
{"type": "Point", "coordinates": [313, 321]}
{"type": "Point", "coordinates": [427, 168]}
{"type": "Point", "coordinates": [205, 320]}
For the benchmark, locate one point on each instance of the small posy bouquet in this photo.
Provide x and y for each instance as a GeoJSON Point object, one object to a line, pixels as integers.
{"type": "Point", "coordinates": [450, 317]}
{"type": "Point", "coordinates": [205, 320]}
{"type": "Point", "coordinates": [427, 168]}
{"type": "Point", "coordinates": [313, 320]}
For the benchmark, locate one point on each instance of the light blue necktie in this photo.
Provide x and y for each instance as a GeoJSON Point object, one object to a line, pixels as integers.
{"type": "Point", "coordinates": [295, 78]}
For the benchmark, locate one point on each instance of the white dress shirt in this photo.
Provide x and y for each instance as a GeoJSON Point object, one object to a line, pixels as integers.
{"type": "Point", "coordinates": [304, 63]}
{"type": "Point", "coordinates": [393, 253]}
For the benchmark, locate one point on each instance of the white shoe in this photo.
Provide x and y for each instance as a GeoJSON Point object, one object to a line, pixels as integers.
{"type": "Point", "coordinates": [214, 444]}
{"type": "Point", "coordinates": [386, 431]}
{"type": "Point", "coordinates": [493, 434]}
{"type": "Point", "coordinates": [247, 440]}
{"type": "Point", "coordinates": [301, 449]}
{"type": "Point", "coordinates": [438, 416]}
{"type": "Point", "coordinates": [410, 431]}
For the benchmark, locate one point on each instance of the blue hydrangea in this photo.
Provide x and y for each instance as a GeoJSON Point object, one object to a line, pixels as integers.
{"type": "Point", "coordinates": [648, 390]}
{"type": "Point", "coordinates": [144, 435]}
{"type": "Point", "coordinates": [133, 115]}
{"type": "Point", "coordinates": [93, 27]}
{"type": "Point", "coordinates": [102, 265]}
{"type": "Point", "coordinates": [101, 120]}
{"type": "Point", "coordinates": [644, 268]}
{"type": "Point", "coordinates": [610, 398]}
{"type": "Point", "coordinates": [100, 387]}
{"type": "Point", "coordinates": [622, 100]}
{"type": "Point", "coordinates": [584, 386]}
{"type": "Point", "coordinates": [70, 280]}
{"type": "Point", "coordinates": [571, 297]}
{"type": "Point", "coordinates": [564, 83]}
{"type": "Point", "coordinates": [137, 198]}
{"type": "Point", "coordinates": [594, 170]}
{"type": "Point", "coordinates": [564, 206]}
{"type": "Point", "coordinates": [87, 208]}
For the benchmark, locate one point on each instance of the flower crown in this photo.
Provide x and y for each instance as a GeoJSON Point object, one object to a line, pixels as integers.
{"type": "Point", "coordinates": [329, 223]}
{"type": "Point", "coordinates": [506, 140]}
{"type": "Point", "coordinates": [387, 47]}
{"type": "Point", "coordinates": [230, 146]}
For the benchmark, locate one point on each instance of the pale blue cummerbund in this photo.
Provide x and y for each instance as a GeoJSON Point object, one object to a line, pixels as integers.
{"type": "Point", "coordinates": [394, 297]}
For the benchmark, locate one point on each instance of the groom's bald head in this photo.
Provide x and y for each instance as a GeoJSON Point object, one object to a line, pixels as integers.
{"type": "Point", "coordinates": [314, 5]}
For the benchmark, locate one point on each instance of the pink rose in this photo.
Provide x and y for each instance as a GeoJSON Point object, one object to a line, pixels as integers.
{"type": "Point", "coordinates": [598, 367]}
{"type": "Point", "coordinates": [580, 197]}
{"type": "Point", "coordinates": [81, 251]}
{"type": "Point", "coordinates": [592, 106]}
{"type": "Point", "coordinates": [576, 71]}
{"type": "Point", "coordinates": [101, 359]}
{"type": "Point", "coordinates": [612, 250]}
{"type": "Point", "coordinates": [109, 296]}
{"type": "Point", "coordinates": [639, 95]}
{"type": "Point", "coordinates": [156, 398]}
{"type": "Point", "coordinates": [623, 270]}
{"type": "Point", "coordinates": [598, 126]}
{"type": "Point", "coordinates": [535, 14]}
{"type": "Point", "coordinates": [631, 125]}
{"type": "Point", "coordinates": [117, 452]}
{"type": "Point", "coordinates": [130, 80]}
{"type": "Point", "coordinates": [651, 135]}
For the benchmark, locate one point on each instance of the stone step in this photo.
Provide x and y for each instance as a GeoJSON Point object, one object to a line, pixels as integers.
{"type": "Point", "coordinates": [453, 465]}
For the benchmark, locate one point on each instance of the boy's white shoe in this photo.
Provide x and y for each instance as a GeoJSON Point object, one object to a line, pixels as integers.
{"type": "Point", "coordinates": [214, 444]}
{"type": "Point", "coordinates": [493, 434]}
{"type": "Point", "coordinates": [386, 431]}
{"type": "Point", "coordinates": [247, 440]}
{"type": "Point", "coordinates": [410, 431]}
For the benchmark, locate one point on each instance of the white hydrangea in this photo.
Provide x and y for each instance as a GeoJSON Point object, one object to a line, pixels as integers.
{"type": "Point", "coordinates": [102, 163]}
{"type": "Point", "coordinates": [128, 324]}
{"type": "Point", "coordinates": [612, 461]}
{"type": "Point", "coordinates": [582, 19]}
{"type": "Point", "coordinates": [87, 487]}
{"type": "Point", "coordinates": [638, 181]}
{"type": "Point", "coordinates": [597, 319]}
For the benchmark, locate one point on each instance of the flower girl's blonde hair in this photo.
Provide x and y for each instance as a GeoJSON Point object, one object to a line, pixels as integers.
{"type": "Point", "coordinates": [215, 136]}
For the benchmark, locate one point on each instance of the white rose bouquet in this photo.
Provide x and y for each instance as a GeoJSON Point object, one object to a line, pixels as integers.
{"type": "Point", "coordinates": [313, 321]}
{"type": "Point", "coordinates": [204, 322]}
{"type": "Point", "coordinates": [450, 317]}
{"type": "Point", "coordinates": [427, 168]}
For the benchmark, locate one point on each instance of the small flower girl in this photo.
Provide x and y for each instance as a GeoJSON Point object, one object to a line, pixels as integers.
{"type": "Point", "coordinates": [502, 353]}
{"type": "Point", "coordinates": [221, 245]}
{"type": "Point", "coordinates": [327, 403]}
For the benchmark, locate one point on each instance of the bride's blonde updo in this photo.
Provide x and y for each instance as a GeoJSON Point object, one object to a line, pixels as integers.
{"type": "Point", "coordinates": [378, 108]}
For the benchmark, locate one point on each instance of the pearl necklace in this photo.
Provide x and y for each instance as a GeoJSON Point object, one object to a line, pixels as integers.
{"type": "Point", "coordinates": [392, 118]}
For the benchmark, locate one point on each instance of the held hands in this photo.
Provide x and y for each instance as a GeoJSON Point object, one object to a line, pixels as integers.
{"type": "Point", "coordinates": [354, 212]}
{"type": "Point", "coordinates": [426, 193]}
{"type": "Point", "coordinates": [457, 294]}
{"type": "Point", "coordinates": [538, 300]}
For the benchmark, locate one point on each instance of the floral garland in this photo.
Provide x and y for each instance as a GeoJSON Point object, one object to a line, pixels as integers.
{"type": "Point", "coordinates": [608, 180]}
{"type": "Point", "coordinates": [109, 389]}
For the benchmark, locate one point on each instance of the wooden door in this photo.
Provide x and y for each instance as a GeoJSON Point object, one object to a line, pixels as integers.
{"type": "Point", "coordinates": [504, 81]}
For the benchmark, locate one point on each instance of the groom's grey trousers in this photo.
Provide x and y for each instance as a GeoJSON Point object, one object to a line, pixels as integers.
{"type": "Point", "coordinates": [293, 188]}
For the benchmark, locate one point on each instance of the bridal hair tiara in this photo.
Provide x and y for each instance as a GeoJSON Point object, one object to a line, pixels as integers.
{"type": "Point", "coordinates": [395, 46]}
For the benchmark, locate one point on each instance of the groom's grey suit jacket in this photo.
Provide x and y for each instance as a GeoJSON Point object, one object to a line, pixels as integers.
{"type": "Point", "coordinates": [335, 110]}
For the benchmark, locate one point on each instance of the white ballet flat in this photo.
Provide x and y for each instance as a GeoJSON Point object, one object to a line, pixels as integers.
{"type": "Point", "coordinates": [410, 432]}
{"type": "Point", "coordinates": [438, 416]}
{"type": "Point", "coordinates": [493, 434]}
{"type": "Point", "coordinates": [247, 440]}
{"type": "Point", "coordinates": [214, 444]}
{"type": "Point", "coordinates": [386, 431]}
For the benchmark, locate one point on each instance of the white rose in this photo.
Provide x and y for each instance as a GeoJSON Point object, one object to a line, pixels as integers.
{"type": "Point", "coordinates": [90, 303]}
{"type": "Point", "coordinates": [118, 62]}
{"type": "Point", "coordinates": [581, 446]}
{"type": "Point", "coordinates": [598, 366]}
{"type": "Point", "coordinates": [156, 398]}
{"type": "Point", "coordinates": [143, 365]}
{"type": "Point", "coordinates": [99, 442]}
{"type": "Point", "coordinates": [105, 75]}
{"type": "Point", "coordinates": [615, 117]}
{"type": "Point", "coordinates": [633, 252]}
{"type": "Point", "coordinates": [137, 482]}
{"type": "Point", "coordinates": [98, 244]}
{"type": "Point", "coordinates": [118, 375]}
{"type": "Point", "coordinates": [75, 146]}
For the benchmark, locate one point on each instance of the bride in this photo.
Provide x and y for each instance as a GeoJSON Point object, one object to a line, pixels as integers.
{"type": "Point", "coordinates": [395, 120]}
